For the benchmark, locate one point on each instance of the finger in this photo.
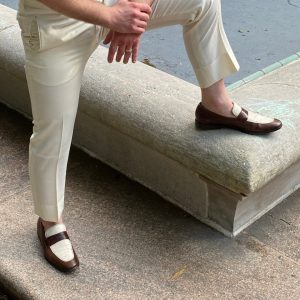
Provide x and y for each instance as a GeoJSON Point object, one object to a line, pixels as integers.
{"type": "Point", "coordinates": [141, 24]}
{"type": "Point", "coordinates": [137, 30]}
{"type": "Point", "coordinates": [135, 51]}
{"type": "Point", "coordinates": [145, 8]}
{"type": "Point", "coordinates": [108, 38]}
{"type": "Point", "coordinates": [111, 53]}
{"type": "Point", "coordinates": [127, 56]}
{"type": "Point", "coordinates": [120, 53]}
{"type": "Point", "coordinates": [144, 17]}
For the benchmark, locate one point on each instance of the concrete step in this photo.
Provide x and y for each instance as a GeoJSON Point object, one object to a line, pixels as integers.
{"type": "Point", "coordinates": [144, 127]}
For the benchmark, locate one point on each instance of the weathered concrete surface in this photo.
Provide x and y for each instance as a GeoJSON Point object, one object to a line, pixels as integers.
{"type": "Point", "coordinates": [131, 243]}
{"type": "Point", "coordinates": [224, 156]}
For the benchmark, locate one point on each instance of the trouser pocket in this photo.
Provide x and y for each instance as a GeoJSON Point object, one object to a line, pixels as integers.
{"type": "Point", "coordinates": [47, 31]}
{"type": "Point", "coordinates": [30, 32]}
{"type": "Point", "coordinates": [56, 30]}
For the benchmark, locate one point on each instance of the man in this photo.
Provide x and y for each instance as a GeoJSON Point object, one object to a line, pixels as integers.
{"type": "Point", "coordinates": [59, 37]}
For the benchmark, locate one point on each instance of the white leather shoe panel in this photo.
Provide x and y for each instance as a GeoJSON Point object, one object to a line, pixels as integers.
{"type": "Point", "coordinates": [252, 116]}
{"type": "Point", "coordinates": [62, 249]}
{"type": "Point", "coordinates": [257, 118]}
{"type": "Point", "coordinates": [236, 109]}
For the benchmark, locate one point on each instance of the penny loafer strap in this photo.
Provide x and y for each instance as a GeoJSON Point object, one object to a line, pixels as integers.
{"type": "Point", "coordinates": [243, 116]}
{"type": "Point", "coordinates": [239, 112]}
{"type": "Point", "coordinates": [51, 240]}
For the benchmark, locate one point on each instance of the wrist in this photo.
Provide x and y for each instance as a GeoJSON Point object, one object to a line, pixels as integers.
{"type": "Point", "coordinates": [149, 2]}
{"type": "Point", "coordinates": [105, 16]}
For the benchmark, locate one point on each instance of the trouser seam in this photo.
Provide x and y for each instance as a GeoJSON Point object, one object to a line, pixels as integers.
{"type": "Point", "coordinates": [57, 164]}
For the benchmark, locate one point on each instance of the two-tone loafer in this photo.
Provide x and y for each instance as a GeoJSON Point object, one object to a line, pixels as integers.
{"type": "Point", "coordinates": [51, 245]}
{"type": "Point", "coordinates": [242, 120]}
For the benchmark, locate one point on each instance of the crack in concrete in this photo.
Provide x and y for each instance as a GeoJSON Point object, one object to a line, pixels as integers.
{"type": "Point", "coordinates": [268, 248]}
{"type": "Point", "coordinates": [286, 222]}
{"type": "Point", "coordinates": [290, 2]}
{"type": "Point", "coordinates": [6, 27]}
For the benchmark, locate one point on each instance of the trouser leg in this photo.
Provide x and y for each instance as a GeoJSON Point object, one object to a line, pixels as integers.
{"type": "Point", "coordinates": [54, 112]}
{"type": "Point", "coordinates": [54, 79]}
{"type": "Point", "coordinates": [205, 40]}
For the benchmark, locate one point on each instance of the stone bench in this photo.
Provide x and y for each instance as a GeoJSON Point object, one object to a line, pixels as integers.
{"type": "Point", "coordinates": [140, 121]}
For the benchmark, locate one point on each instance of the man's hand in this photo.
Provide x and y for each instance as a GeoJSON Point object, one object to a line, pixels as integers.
{"type": "Point", "coordinates": [129, 17]}
{"type": "Point", "coordinates": [124, 16]}
{"type": "Point", "coordinates": [123, 45]}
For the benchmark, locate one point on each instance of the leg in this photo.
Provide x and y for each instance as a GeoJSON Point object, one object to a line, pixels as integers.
{"type": "Point", "coordinates": [206, 43]}
{"type": "Point", "coordinates": [216, 99]}
{"type": "Point", "coordinates": [54, 66]}
{"type": "Point", "coordinates": [54, 79]}
{"type": "Point", "coordinates": [54, 110]}
{"type": "Point", "coordinates": [212, 59]}
{"type": "Point", "coordinates": [54, 69]}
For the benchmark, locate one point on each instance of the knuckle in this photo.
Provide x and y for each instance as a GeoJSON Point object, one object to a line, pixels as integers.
{"type": "Point", "coordinates": [135, 14]}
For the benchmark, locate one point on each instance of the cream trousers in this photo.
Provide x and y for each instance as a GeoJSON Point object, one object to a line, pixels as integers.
{"type": "Point", "coordinates": [57, 49]}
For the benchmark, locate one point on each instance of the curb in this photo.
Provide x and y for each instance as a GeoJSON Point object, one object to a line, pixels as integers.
{"type": "Point", "coordinates": [273, 67]}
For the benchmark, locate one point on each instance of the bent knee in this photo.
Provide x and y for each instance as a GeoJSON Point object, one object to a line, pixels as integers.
{"type": "Point", "coordinates": [203, 10]}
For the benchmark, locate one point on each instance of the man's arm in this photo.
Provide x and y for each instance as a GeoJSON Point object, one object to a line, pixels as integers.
{"type": "Point", "coordinates": [125, 16]}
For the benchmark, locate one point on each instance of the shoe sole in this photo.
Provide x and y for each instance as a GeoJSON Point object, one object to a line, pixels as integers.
{"type": "Point", "coordinates": [202, 126]}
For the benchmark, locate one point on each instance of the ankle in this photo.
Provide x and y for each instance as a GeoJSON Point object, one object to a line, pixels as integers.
{"type": "Point", "coordinates": [216, 98]}
{"type": "Point", "coordinates": [217, 102]}
{"type": "Point", "coordinates": [221, 106]}
{"type": "Point", "coordinates": [48, 224]}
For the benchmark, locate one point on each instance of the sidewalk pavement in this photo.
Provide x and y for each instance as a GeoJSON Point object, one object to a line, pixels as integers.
{"type": "Point", "coordinates": [132, 244]}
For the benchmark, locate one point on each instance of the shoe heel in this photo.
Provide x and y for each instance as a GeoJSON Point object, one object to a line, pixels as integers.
{"type": "Point", "coordinates": [206, 126]}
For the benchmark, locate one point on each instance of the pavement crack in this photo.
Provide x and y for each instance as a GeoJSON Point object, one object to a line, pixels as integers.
{"type": "Point", "coordinates": [254, 244]}
{"type": "Point", "coordinates": [286, 222]}
{"type": "Point", "coordinates": [6, 27]}
{"type": "Point", "coordinates": [290, 2]}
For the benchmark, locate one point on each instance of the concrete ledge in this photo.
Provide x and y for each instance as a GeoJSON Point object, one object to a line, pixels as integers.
{"type": "Point", "coordinates": [144, 126]}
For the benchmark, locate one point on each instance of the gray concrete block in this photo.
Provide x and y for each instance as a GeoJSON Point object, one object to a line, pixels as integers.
{"type": "Point", "coordinates": [144, 127]}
